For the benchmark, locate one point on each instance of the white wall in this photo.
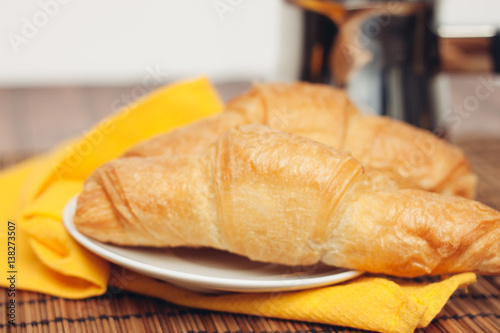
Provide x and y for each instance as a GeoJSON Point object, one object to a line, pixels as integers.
{"type": "Point", "coordinates": [51, 42]}
{"type": "Point", "coordinates": [467, 18]}
{"type": "Point", "coordinates": [467, 12]}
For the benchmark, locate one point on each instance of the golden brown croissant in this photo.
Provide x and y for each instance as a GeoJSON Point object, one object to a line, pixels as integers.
{"type": "Point", "coordinates": [414, 157]}
{"type": "Point", "coordinates": [282, 198]}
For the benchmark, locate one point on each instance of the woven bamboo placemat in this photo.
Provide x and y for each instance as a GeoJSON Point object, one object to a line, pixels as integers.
{"type": "Point", "coordinates": [477, 310]}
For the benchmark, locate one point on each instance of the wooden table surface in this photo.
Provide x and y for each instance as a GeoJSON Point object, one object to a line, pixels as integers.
{"type": "Point", "coordinates": [33, 120]}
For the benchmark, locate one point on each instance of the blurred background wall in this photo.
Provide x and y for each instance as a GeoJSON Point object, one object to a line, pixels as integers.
{"type": "Point", "coordinates": [54, 42]}
{"type": "Point", "coordinates": [117, 42]}
{"type": "Point", "coordinates": [56, 57]}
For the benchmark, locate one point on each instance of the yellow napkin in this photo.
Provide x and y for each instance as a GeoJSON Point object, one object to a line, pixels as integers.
{"type": "Point", "coordinates": [369, 303]}
{"type": "Point", "coordinates": [48, 260]}
{"type": "Point", "coordinates": [34, 193]}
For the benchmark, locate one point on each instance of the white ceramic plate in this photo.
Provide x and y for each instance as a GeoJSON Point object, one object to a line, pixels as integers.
{"type": "Point", "coordinates": [209, 270]}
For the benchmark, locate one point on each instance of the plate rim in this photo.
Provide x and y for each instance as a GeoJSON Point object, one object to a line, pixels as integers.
{"type": "Point", "coordinates": [198, 280]}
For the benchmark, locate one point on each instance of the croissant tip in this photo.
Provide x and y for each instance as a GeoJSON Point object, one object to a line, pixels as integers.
{"type": "Point", "coordinates": [95, 215]}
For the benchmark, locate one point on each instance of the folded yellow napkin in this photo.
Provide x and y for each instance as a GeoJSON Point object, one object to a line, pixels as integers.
{"type": "Point", "coordinates": [48, 260]}
{"type": "Point", "coordinates": [369, 303]}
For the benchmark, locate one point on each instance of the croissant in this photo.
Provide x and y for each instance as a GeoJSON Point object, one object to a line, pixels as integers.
{"type": "Point", "coordinates": [414, 157]}
{"type": "Point", "coordinates": [277, 197]}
